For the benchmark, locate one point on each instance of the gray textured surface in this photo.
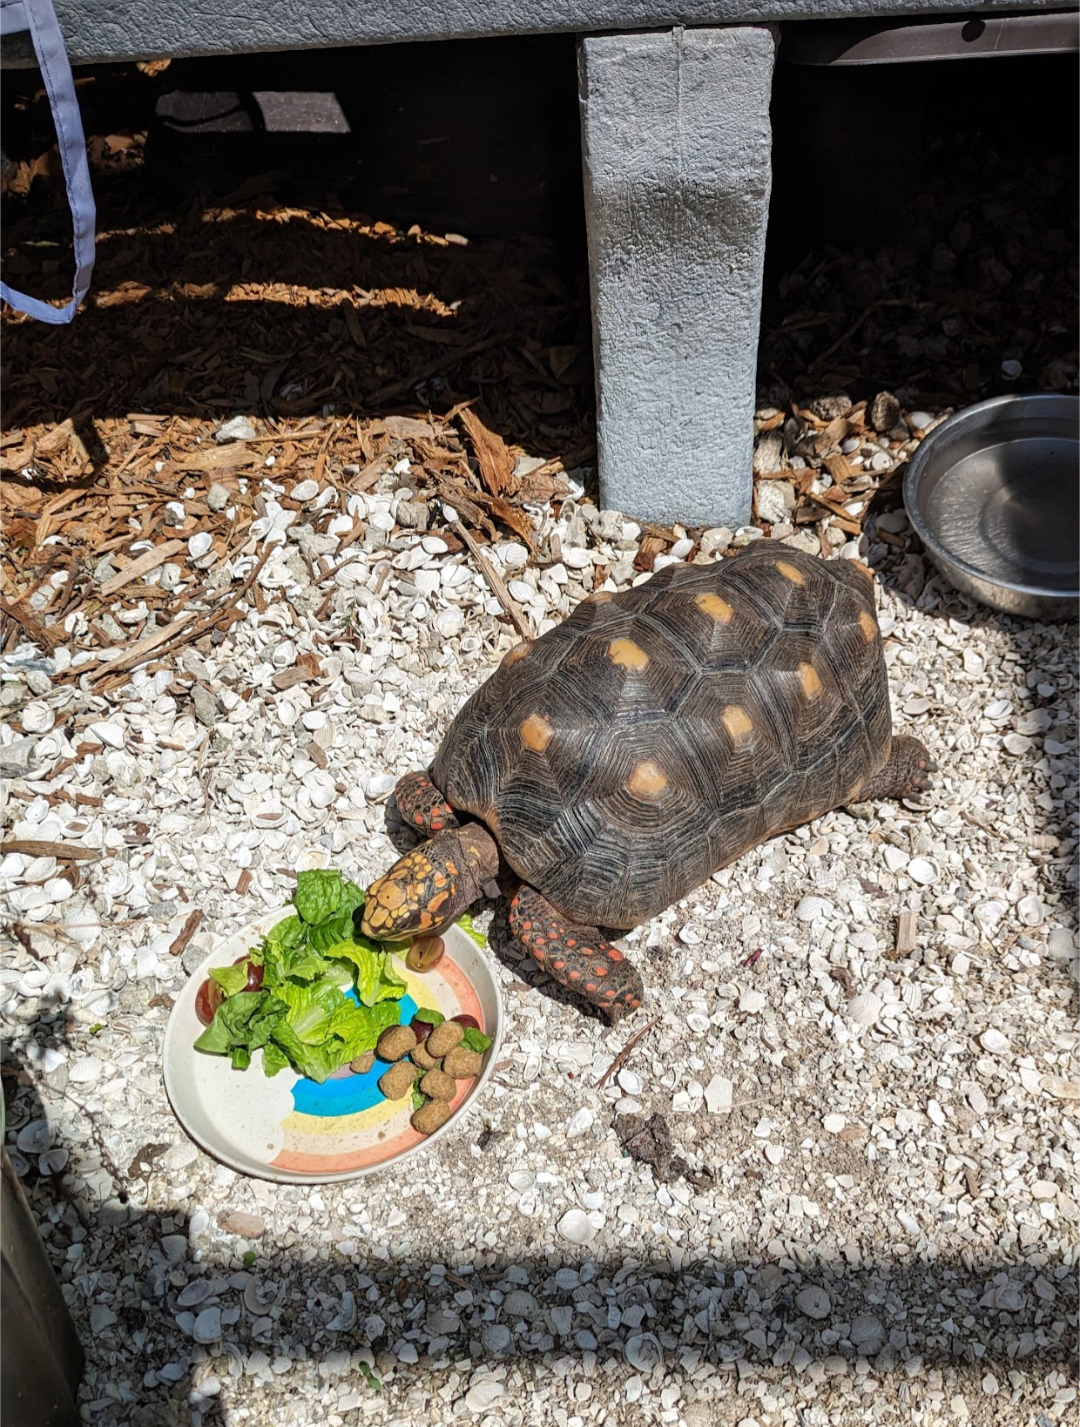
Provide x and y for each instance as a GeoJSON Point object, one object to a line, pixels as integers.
{"type": "Point", "coordinates": [676, 143]}
{"type": "Point", "coordinates": [151, 29]}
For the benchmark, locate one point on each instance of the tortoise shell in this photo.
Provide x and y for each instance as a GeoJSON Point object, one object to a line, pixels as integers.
{"type": "Point", "coordinates": [655, 735]}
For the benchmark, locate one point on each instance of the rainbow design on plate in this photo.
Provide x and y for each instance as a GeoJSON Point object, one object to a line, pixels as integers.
{"type": "Point", "coordinates": [346, 1123]}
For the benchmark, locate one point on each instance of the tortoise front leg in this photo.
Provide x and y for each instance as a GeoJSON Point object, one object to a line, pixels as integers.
{"type": "Point", "coordinates": [422, 806]}
{"type": "Point", "coordinates": [577, 957]}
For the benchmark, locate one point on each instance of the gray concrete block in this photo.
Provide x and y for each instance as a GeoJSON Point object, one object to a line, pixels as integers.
{"type": "Point", "coordinates": [676, 147]}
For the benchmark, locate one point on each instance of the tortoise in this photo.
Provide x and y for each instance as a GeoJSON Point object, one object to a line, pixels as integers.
{"type": "Point", "coordinates": [615, 763]}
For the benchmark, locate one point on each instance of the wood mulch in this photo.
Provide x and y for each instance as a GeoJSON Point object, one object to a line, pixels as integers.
{"type": "Point", "coordinates": [354, 348]}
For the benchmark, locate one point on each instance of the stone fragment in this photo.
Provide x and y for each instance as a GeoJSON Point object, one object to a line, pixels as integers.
{"type": "Point", "coordinates": [238, 428]}
{"type": "Point", "coordinates": [643, 1352]}
{"type": "Point", "coordinates": [237, 1221]}
{"type": "Point", "coordinates": [865, 1008]}
{"type": "Point", "coordinates": [884, 411]}
{"type": "Point", "coordinates": [814, 1302]}
{"type": "Point", "coordinates": [207, 1327]}
{"type": "Point", "coordinates": [484, 1394]}
{"type": "Point", "coordinates": [576, 1226]}
{"type": "Point", "coordinates": [719, 1094]}
{"type": "Point", "coordinates": [993, 1041]}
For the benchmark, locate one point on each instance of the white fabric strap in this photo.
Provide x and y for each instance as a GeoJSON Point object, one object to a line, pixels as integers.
{"type": "Point", "coordinates": [39, 18]}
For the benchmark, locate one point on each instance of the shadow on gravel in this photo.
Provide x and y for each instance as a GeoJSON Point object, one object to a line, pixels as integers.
{"type": "Point", "coordinates": [147, 1279]}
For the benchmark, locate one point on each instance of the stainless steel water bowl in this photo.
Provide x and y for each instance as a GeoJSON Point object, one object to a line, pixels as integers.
{"type": "Point", "coordinates": [994, 494]}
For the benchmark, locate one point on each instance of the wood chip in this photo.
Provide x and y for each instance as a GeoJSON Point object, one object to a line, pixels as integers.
{"type": "Point", "coordinates": [187, 931]}
{"type": "Point", "coordinates": [650, 547]}
{"type": "Point", "coordinates": [501, 593]}
{"type": "Point", "coordinates": [492, 456]}
{"type": "Point", "coordinates": [232, 457]}
{"type": "Point", "coordinates": [289, 678]}
{"type": "Point", "coordinates": [132, 654]}
{"type": "Point", "coordinates": [905, 933]}
{"type": "Point", "coordinates": [33, 627]}
{"type": "Point", "coordinates": [33, 847]}
{"type": "Point", "coordinates": [146, 562]}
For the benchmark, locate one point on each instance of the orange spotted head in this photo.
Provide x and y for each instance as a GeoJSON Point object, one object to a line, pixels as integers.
{"type": "Point", "coordinates": [424, 891]}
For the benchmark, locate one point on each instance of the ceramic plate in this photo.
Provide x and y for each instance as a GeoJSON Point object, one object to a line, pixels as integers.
{"type": "Point", "coordinates": [288, 1128]}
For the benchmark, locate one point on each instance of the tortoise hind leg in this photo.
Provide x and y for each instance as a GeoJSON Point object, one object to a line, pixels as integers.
{"type": "Point", "coordinates": [577, 957]}
{"type": "Point", "coordinates": [906, 775]}
{"type": "Point", "coordinates": [422, 806]}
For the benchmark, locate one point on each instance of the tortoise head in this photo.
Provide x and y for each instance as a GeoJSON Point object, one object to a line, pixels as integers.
{"type": "Point", "coordinates": [417, 897]}
{"type": "Point", "coordinates": [430, 886]}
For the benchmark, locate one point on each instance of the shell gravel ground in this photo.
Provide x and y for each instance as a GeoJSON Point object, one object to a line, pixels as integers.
{"type": "Point", "coordinates": [866, 1211]}
{"type": "Point", "coordinates": [836, 1182]}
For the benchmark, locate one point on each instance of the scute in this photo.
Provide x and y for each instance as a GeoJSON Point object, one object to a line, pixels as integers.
{"type": "Point", "coordinates": [702, 735]}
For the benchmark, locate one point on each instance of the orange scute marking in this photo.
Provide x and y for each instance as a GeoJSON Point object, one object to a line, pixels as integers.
{"type": "Point", "coordinates": [648, 780]}
{"type": "Point", "coordinates": [789, 572]}
{"type": "Point", "coordinates": [868, 625]}
{"type": "Point", "coordinates": [535, 733]}
{"type": "Point", "coordinates": [518, 652]}
{"type": "Point", "coordinates": [715, 607]}
{"type": "Point", "coordinates": [738, 724]}
{"type": "Point", "coordinates": [810, 681]}
{"type": "Point", "coordinates": [627, 654]}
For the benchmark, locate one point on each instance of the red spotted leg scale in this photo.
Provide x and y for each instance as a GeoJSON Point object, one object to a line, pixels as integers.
{"type": "Point", "coordinates": [579, 958]}
{"type": "Point", "coordinates": [422, 806]}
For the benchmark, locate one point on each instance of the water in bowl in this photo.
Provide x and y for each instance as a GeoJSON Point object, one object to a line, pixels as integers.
{"type": "Point", "coordinates": [1006, 512]}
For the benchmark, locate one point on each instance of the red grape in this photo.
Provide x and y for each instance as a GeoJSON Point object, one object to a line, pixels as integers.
{"type": "Point", "coordinates": [425, 952]}
{"type": "Point", "coordinates": [210, 995]}
{"type": "Point", "coordinates": [208, 999]}
{"type": "Point", "coordinates": [469, 1022]}
{"type": "Point", "coordinates": [255, 973]}
{"type": "Point", "coordinates": [422, 1029]}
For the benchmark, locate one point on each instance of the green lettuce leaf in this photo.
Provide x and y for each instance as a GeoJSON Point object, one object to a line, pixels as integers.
{"type": "Point", "coordinates": [465, 922]}
{"type": "Point", "coordinates": [305, 1015]}
{"type": "Point", "coordinates": [318, 894]}
{"type": "Point", "coordinates": [243, 1020]}
{"type": "Point", "coordinates": [341, 925]}
{"type": "Point", "coordinates": [363, 1027]}
{"type": "Point", "coordinates": [274, 1058]}
{"type": "Point", "coordinates": [430, 1015]}
{"type": "Point", "coordinates": [309, 1060]}
{"type": "Point", "coordinates": [231, 979]}
{"type": "Point", "coordinates": [310, 1009]}
{"type": "Point", "coordinates": [475, 1040]}
{"type": "Point", "coordinates": [376, 979]}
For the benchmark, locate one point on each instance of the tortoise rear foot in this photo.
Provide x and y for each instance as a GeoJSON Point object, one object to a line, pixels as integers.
{"type": "Point", "coordinates": [422, 806]}
{"type": "Point", "coordinates": [579, 958]}
{"type": "Point", "coordinates": [906, 775]}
